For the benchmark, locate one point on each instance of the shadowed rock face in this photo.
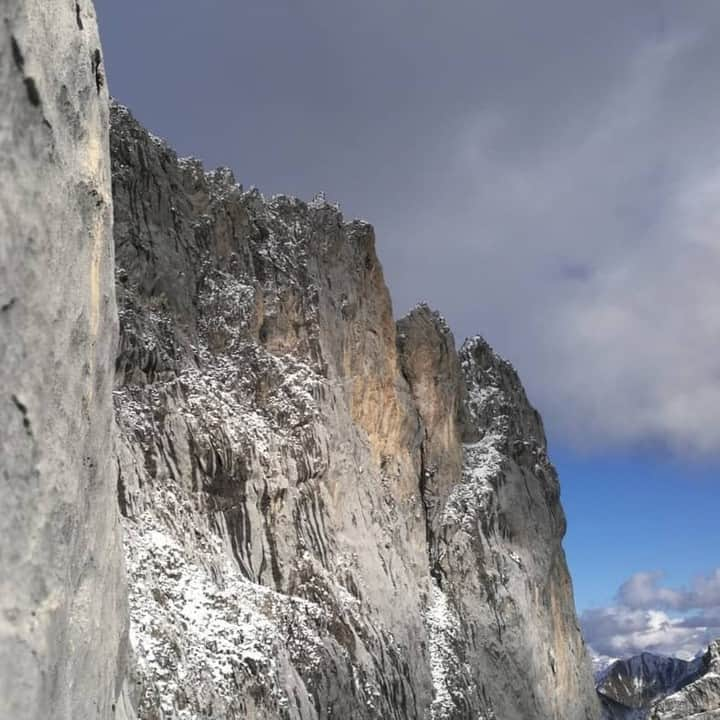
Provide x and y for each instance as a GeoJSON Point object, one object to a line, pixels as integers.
{"type": "Point", "coordinates": [325, 516]}
{"type": "Point", "coordinates": [63, 610]}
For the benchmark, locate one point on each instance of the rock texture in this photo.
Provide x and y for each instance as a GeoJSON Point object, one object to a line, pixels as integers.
{"type": "Point", "coordinates": [501, 567]}
{"type": "Point", "coordinates": [325, 515]}
{"type": "Point", "coordinates": [63, 610]}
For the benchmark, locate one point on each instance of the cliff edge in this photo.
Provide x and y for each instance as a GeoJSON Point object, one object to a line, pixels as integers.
{"type": "Point", "coordinates": [325, 515]}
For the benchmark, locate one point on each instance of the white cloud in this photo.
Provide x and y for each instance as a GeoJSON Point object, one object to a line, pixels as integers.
{"type": "Point", "coordinates": [706, 591]}
{"type": "Point", "coordinates": [649, 617]}
{"type": "Point", "coordinates": [643, 590]}
{"type": "Point", "coordinates": [622, 632]}
{"type": "Point", "coordinates": [646, 329]}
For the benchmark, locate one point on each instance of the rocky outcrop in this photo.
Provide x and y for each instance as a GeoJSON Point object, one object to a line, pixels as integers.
{"type": "Point", "coordinates": [63, 608]}
{"type": "Point", "coordinates": [502, 607]}
{"type": "Point", "coordinates": [324, 515]}
{"type": "Point", "coordinates": [268, 471]}
{"type": "Point", "coordinates": [501, 570]}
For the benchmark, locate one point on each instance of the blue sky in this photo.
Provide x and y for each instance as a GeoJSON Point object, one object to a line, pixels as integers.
{"type": "Point", "coordinates": [545, 174]}
{"type": "Point", "coordinates": [633, 512]}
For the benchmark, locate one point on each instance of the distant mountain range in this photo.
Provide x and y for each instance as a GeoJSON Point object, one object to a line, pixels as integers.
{"type": "Point", "coordinates": [655, 687]}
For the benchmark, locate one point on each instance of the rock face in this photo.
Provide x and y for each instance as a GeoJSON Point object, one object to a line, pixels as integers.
{"type": "Point", "coordinates": [501, 565]}
{"type": "Point", "coordinates": [324, 516]}
{"type": "Point", "coordinates": [654, 687]}
{"type": "Point", "coordinates": [63, 609]}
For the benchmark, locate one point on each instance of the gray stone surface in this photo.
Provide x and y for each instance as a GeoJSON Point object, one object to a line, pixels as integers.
{"type": "Point", "coordinates": [503, 632]}
{"type": "Point", "coordinates": [324, 516]}
{"type": "Point", "coordinates": [638, 682]}
{"type": "Point", "coordinates": [274, 534]}
{"type": "Point", "coordinates": [63, 616]}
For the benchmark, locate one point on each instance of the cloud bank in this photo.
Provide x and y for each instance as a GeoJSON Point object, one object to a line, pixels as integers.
{"type": "Point", "coordinates": [548, 178]}
{"type": "Point", "coordinates": [649, 616]}
{"type": "Point", "coordinates": [592, 261]}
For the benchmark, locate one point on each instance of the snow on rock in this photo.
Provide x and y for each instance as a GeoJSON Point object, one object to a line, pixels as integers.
{"type": "Point", "coordinates": [326, 515]}
{"type": "Point", "coordinates": [640, 680]}
{"type": "Point", "coordinates": [443, 631]}
{"type": "Point", "coordinates": [494, 532]}
{"type": "Point", "coordinates": [221, 637]}
{"type": "Point", "coordinates": [699, 699]}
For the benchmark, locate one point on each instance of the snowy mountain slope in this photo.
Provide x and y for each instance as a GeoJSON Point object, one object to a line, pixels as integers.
{"type": "Point", "coordinates": [640, 680]}
{"type": "Point", "coordinates": [656, 687]}
{"type": "Point", "coordinates": [699, 699]}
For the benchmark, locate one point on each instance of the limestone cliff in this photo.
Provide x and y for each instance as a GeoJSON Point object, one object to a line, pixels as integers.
{"type": "Point", "coordinates": [325, 515]}
{"type": "Point", "coordinates": [512, 647]}
{"type": "Point", "coordinates": [322, 514]}
{"type": "Point", "coordinates": [63, 610]}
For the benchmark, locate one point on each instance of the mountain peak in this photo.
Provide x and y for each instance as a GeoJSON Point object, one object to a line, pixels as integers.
{"type": "Point", "coordinates": [657, 687]}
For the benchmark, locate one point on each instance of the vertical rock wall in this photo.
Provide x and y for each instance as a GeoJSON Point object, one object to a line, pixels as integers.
{"type": "Point", "coordinates": [700, 699]}
{"type": "Point", "coordinates": [274, 533]}
{"type": "Point", "coordinates": [325, 516]}
{"type": "Point", "coordinates": [63, 615]}
{"type": "Point", "coordinates": [503, 634]}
